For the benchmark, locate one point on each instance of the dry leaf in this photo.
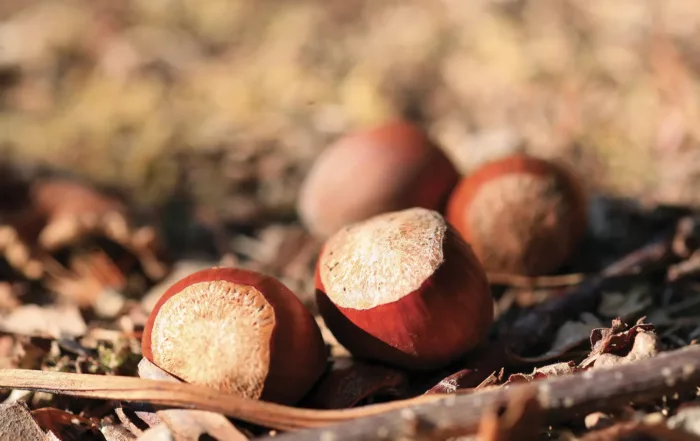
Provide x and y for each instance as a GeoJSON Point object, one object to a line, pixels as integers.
{"type": "Point", "coordinates": [16, 423]}
{"type": "Point", "coordinates": [64, 425]}
{"type": "Point", "coordinates": [598, 420]}
{"type": "Point", "coordinates": [570, 335]}
{"type": "Point", "coordinates": [8, 297]}
{"type": "Point", "coordinates": [646, 345]}
{"type": "Point", "coordinates": [50, 436]}
{"type": "Point", "coordinates": [55, 321]}
{"type": "Point", "coordinates": [617, 344]}
{"type": "Point", "coordinates": [157, 433]}
{"type": "Point", "coordinates": [687, 418]}
{"type": "Point", "coordinates": [7, 353]}
{"type": "Point", "coordinates": [31, 352]}
{"type": "Point", "coordinates": [553, 370]}
{"type": "Point", "coordinates": [73, 212]}
{"type": "Point", "coordinates": [463, 382]}
{"type": "Point", "coordinates": [625, 305]}
{"type": "Point", "coordinates": [58, 197]}
{"type": "Point", "coordinates": [17, 395]}
{"type": "Point", "coordinates": [336, 349]}
{"type": "Point", "coordinates": [573, 332]}
{"type": "Point", "coordinates": [115, 432]}
{"type": "Point", "coordinates": [451, 383]}
{"type": "Point", "coordinates": [137, 417]}
{"type": "Point", "coordinates": [350, 382]}
{"type": "Point", "coordinates": [91, 279]}
{"type": "Point", "coordinates": [189, 425]}
{"type": "Point", "coordinates": [18, 253]}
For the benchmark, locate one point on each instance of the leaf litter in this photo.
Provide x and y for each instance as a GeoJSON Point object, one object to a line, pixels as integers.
{"type": "Point", "coordinates": [79, 278]}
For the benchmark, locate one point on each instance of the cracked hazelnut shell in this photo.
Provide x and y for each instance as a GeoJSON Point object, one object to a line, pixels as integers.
{"type": "Point", "coordinates": [521, 215]}
{"type": "Point", "coordinates": [403, 288]}
{"type": "Point", "coordinates": [237, 331]}
{"type": "Point", "coordinates": [385, 168]}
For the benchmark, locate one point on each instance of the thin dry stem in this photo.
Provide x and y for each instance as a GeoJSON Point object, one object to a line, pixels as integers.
{"type": "Point", "coordinates": [519, 281]}
{"type": "Point", "coordinates": [185, 395]}
{"type": "Point", "coordinates": [560, 398]}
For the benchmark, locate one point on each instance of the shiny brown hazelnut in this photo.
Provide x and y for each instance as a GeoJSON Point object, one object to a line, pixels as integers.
{"type": "Point", "coordinates": [237, 331]}
{"type": "Point", "coordinates": [386, 168]}
{"type": "Point", "coordinates": [522, 215]}
{"type": "Point", "coordinates": [405, 289]}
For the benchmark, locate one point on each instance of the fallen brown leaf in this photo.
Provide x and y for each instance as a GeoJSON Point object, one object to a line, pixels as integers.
{"type": "Point", "coordinates": [8, 297]}
{"type": "Point", "coordinates": [451, 383]}
{"type": "Point", "coordinates": [619, 341]}
{"type": "Point", "coordinates": [687, 418]}
{"type": "Point", "coordinates": [350, 382]}
{"type": "Point", "coordinates": [157, 433]}
{"type": "Point", "coordinates": [569, 336]}
{"type": "Point", "coordinates": [88, 281]}
{"type": "Point", "coordinates": [64, 425]}
{"type": "Point", "coordinates": [625, 304]}
{"type": "Point", "coordinates": [186, 424]}
{"type": "Point", "coordinates": [646, 344]}
{"type": "Point", "coordinates": [552, 370]}
{"type": "Point", "coordinates": [137, 418]}
{"type": "Point", "coordinates": [55, 321]}
{"type": "Point", "coordinates": [115, 432]}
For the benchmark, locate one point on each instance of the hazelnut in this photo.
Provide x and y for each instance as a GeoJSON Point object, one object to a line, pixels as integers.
{"type": "Point", "coordinates": [237, 331]}
{"type": "Point", "coordinates": [387, 168]}
{"type": "Point", "coordinates": [405, 289]}
{"type": "Point", "coordinates": [522, 215]}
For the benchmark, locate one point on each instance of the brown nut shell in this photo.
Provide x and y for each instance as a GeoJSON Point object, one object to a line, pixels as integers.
{"type": "Point", "coordinates": [521, 215]}
{"type": "Point", "coordinates": [403, 288]}
{"type": "Point", "coordinates": [237, 331]}
{"type": "Point", "coordinates": [386, 168]}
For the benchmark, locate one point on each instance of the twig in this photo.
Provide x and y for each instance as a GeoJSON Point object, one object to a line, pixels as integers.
{"type": "Point", "coordinates": [183, 395]}
{"type": "Point", "coordinates": [537, 326]}
{"type": "Point", "coordinates": [685, 269]}
{"type": "Point", "coordinates": [542, 321]}
{"type": "Point", "coordinates": [560, 398]}
{"type": "Point", "coordinates": [654, 429]}
{"type": "Point", "coordinates": [519, 281]}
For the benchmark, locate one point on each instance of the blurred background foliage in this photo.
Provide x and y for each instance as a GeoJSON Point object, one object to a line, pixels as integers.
{"type": "Point", "coordinates": [230, 101]}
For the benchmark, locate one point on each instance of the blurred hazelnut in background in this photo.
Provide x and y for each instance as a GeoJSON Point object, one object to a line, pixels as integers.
{"type": "Point", "coordinates": [521, 214]}
{"type": "Point", "coordinates": [390, 167]}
